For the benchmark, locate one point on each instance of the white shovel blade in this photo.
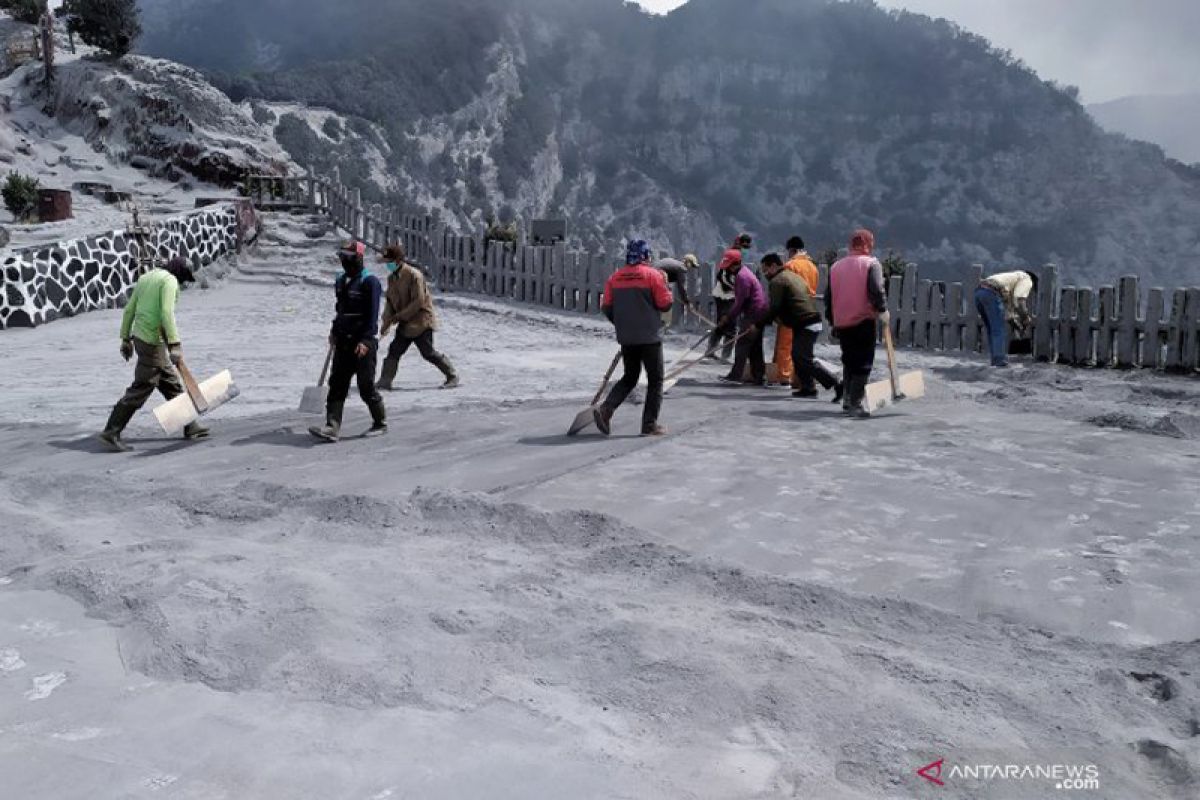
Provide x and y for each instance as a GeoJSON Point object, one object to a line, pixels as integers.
{"type": "Point", "coordinates": [313, 400]}
{"type": "Point", "coordinates": [175, 415]}
{"type": "Point", "coordinates": [879, 394]}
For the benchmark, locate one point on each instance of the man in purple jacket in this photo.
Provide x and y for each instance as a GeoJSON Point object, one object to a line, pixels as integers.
{"type": "Point", "coordinates": [750, 305]}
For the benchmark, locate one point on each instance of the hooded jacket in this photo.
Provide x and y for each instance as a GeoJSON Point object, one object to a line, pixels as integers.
{"type": "Point", "coordinates": [749, 299]}
{"type": "Point", "coordinates": [635, 296]}
{"type": "Point", "coordinates": [408, 303]}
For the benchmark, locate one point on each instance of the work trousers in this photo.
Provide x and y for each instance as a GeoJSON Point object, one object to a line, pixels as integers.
{"type": "Point", "coordinates": [153, 371]}
{"type": "Point", "coordinates": [809, 371]}
{"type": "Point", "coordinates": [347, 366]}
{"type": "Point", "coordinates": [635, 357]}
{"type": "Point", "coordinates": [858, 349]}
{"type": "Point", "coordinates": [424, 343]}
{"type": "Point", "coordinates": [750, 349]}
{"type": "Point", "coordinates": [990, 306]}
{"type": "Point", "coordinates": [723, 335]}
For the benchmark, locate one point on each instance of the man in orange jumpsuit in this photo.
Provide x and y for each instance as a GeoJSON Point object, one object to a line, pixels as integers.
{"type": "Point", "coordinates": [800, 263]}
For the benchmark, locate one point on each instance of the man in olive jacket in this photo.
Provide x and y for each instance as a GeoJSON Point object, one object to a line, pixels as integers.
{"type": "Point", "coordinates": [793, 305]}
{"type": "Point", "coordinates": [409, 306]}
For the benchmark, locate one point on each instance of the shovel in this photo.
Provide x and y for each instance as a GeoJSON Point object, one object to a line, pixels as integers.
{"type": "Point", "coordinates": [314, 397]}
{"type": "Point", "coordinates": [586, 417]}
{"type": "Point", "coordinates": [909, 386]}
{"type": "Point", "coordinates": [175, 415]}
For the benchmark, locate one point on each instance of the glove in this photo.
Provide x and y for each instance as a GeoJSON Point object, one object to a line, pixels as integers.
{"type": "Point", "coordinates": [175, 353]}
{"type": "Point", "coordinates": [885, 317]}
{"type": "Point", "coordinates": [126, 349]}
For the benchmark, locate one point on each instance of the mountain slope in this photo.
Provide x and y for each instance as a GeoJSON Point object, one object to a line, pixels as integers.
{"type": "Point", "coordinates": [770, 115]}
{"type": "Point", "coordinates": [1171, 121]}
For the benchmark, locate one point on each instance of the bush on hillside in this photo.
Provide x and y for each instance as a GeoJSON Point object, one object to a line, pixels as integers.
{"type": "Point", "coordinates": [20, 194]}
{"type": "Point", "coordinates": [24, 10]}
{"type": "Point", "coordinates": [111, 25]}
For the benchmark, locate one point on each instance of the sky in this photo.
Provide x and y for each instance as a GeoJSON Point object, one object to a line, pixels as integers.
{"type": "Point", "coordinates": [1108, 48]}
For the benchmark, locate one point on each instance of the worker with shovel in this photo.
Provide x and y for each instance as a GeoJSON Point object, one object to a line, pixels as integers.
{"type": "Point", "coordinates": [355, 343]}
{"type": "Point", "coordinates": [148, 329]}
{"type": "Point", "coordinates": [854, 302]}
{"type": "Point", "coordinates": [409, 306]}
{"type": "Point", "coordinates": [749, 307]}
{"type": "Point", "coordinates": [794, 305]}
{"type": "Point", "coordinates": [634, 298]}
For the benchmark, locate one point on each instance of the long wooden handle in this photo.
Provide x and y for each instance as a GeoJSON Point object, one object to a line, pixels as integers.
{"type": "Point", "coordinates": [675, 373]}
{"type": "Point", "coordinates": [607, 377]}
{"type": "Point", "coordinates": [891, 357]}
{"type": "Point", "coordinates": [325, 369]}
{"type": "Point", "coordinates": [691, 350]}
{"type": "Point", "coordinates": [193, 389]}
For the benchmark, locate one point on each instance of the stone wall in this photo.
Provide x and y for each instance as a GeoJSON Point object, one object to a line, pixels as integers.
{"type": "Point", "coordinates": [42, 284]}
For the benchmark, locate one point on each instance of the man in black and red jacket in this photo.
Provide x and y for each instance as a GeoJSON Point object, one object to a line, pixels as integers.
{"type": "Point", "coordinates": [635, 297]}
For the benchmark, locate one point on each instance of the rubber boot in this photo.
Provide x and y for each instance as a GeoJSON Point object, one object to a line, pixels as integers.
{"type": "Point", "coordinates": [333, 424]}
{"type": "Point", "coordinates": [378, 419]}
{"type": "Point", "coordinates": [839, 392]}
{"type": "Point", "coordinates": [858, 397]}
{"type": "Point", "coordinates": [387, 374]}
{"type": "Point", "coordinates": [603, 418]}
{"type": "Point", "coordinates": [195, 431]}
{"type": "Point", "coordinates": [117, 421]}
{"type": "Point", "coordinates": [443, 363]}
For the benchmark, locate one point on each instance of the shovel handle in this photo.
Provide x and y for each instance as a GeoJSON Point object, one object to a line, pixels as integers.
{"type": "Point", "coordinates": [193, 389]}
{"type": "Point", "coordinates": [325, 369]}
{"type": "Point", "coordinates": [679, 370]}
{"type": "Point", "coordinates": [890, 344]}
{"type": "Point", "coordinates": [607, 377]}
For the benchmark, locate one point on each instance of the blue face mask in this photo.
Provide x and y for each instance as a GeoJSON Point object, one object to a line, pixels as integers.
{"type": "Point", "coordinates": [392, 266]}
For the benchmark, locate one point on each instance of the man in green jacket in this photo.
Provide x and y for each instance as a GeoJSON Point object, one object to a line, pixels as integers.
{"type": "Point", "coordinates": [148, 329]}
{"type": "Point", "coordinates": [793, 305]}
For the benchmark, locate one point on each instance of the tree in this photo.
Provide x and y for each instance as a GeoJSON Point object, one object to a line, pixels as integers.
{"type": "Point", "coordinates": [111, 25]}
{"type": "Point", "coordinates": [25, 10]}
{"type": "Point", "coordinates": [893, 264]}
{"type": "Point", "coordinates": [20, 194]}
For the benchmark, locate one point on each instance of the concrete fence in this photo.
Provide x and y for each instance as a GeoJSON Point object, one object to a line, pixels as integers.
{"type": "Point", "coordinates": [1122, 325]}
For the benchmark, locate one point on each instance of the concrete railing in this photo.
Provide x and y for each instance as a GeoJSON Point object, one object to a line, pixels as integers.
{"type": "Point", "coordinates": [1115, 326]}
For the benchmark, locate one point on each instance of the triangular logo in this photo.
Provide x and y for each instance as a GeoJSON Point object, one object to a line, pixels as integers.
{"type": "Point", "coordinates": [933, 772]}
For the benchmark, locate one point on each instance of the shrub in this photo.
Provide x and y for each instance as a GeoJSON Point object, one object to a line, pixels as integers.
{"type": "Point", "coordinates": [111, 25]}
{"type": "Point", "coordinates": [893, 264]}
{"type": "Point", "coordinates": [25, 10]}
{"type": "Point", "coordinates": [20, 194]}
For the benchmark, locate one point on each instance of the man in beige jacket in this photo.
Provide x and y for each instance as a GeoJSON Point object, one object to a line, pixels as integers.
{"type": "Point", "coordinates": [409, 306]}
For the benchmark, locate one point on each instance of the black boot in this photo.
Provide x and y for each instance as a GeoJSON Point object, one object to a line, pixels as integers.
{"type": "Point", "coordinates": [195, 431]}
{"type": "Point", "coordinates": [378, 419]}
{"type": "Point", "coordinates": [857, 392]}
{"type": "Point", "coordinates": [333, 424]}
{"type": "Point", "coordinates": [839, 391]}
{"type": "Point", "coordinates": [117, 421]}
{"type": "Point", "coordinates": [387, 374]}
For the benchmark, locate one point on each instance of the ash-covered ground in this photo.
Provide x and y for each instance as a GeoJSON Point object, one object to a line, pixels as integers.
{"type": "Point", "coordinates": [774, 601]}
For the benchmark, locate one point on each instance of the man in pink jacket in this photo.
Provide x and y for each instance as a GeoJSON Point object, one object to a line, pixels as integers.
{"type": "Point", "coordinates": [854, 302]}
{"type": "Point", "coordinates": [750, 305]}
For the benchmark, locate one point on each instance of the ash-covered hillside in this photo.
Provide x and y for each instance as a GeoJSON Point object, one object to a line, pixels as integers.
{"type": "Point", "coordinates": [769, 115]}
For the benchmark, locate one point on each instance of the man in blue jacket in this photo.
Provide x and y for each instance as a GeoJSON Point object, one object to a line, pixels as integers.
{"type": "Point", "coordinates": [355, 341]}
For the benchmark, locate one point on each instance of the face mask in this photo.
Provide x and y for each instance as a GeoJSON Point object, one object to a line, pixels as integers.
{"type": "Point", "coordinates": [392, 266]}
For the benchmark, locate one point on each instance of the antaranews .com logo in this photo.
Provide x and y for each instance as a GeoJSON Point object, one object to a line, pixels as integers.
{"type": "Point", "coordinates": [1060, 776]}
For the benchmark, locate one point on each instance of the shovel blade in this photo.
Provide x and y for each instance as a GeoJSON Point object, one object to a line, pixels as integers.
{"type": "Point", "coordinates": [175, 415]}
{"type": "Point", "coordinates": [879, 394]}
{"type": "Point", "coordinates": [313, 400]}
{"type": "Point", "coordinates": [582, 420]}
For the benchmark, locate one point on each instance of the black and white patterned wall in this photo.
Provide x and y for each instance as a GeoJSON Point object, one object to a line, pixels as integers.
{"type": "Point", "coordinates": [42, 284]}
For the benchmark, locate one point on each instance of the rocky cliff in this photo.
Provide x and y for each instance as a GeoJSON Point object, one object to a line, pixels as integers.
{"type": "Point", "coordinates": [768, 115]}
